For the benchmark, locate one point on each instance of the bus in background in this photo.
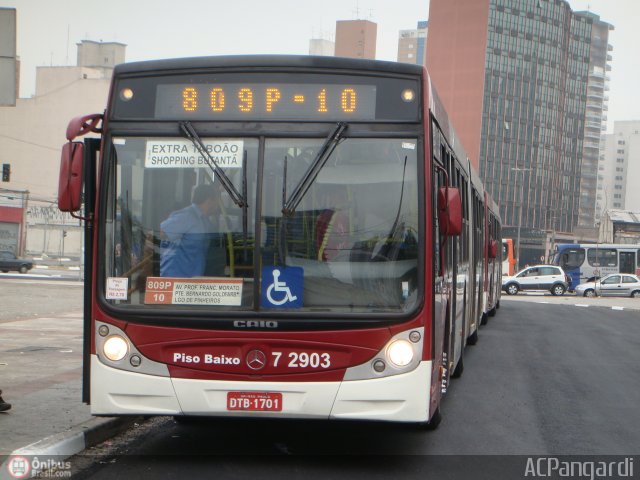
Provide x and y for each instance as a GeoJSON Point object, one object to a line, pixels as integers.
{"type": "Point", "coordinates": [494, 264]}
{"type": "Point", "coordinates": [508, 257]}
{"type": "Point", "coordinates": [587, 260]}
{"type": "Point", "coordinates": [313, 295]}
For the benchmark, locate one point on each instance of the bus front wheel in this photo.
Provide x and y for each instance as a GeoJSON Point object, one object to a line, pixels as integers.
{"type": "Point", "coordinates": [433, 422]}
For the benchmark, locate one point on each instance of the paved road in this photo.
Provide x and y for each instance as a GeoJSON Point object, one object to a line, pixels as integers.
{"type": "Point", "coordinates": [544, 379]}
{"type": "Point", "coordinates": [29, 297]}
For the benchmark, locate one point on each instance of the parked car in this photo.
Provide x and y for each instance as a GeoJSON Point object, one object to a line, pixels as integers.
{"type": "Point", "coordinates": [614, 284]}
{"type": "Point", "coordinates": [9, 261]}
{"type": "Point", "coordinates": [538, 277]}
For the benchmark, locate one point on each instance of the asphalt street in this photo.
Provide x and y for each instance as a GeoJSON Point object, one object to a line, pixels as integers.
{"type": "Point", "coordinates": [549, 376]}
{"type": "Point", "coordinates": [544, 379]}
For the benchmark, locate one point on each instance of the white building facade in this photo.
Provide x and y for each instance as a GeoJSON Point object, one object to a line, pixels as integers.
{"type": "Point", "coordinates": [618, 173]}
{"type": "Point", "coordinates": [412, 44]}
{"type": "Point", "coordinates": [33, 134]}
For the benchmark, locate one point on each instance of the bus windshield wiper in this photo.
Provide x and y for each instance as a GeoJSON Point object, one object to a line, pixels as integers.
{"type": "Point", "coordinates": [192, 135]}
{"type": "Point", "coordinates": [289, 206]}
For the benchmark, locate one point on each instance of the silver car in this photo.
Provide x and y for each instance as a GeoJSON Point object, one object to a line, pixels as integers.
{"type": "Point", "coordinates": [538, 277]}
{"type": "Point", "coordinates": [613, 285]}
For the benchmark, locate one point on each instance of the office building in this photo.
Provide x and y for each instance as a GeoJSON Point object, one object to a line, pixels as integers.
{"type": "Point", "coordinates": [412, 45]}
{"type": "Point", "coordinates": [620, 170]}
{"type": "Point", "coordinates": [513, 76]}
{"type": "Point", "coordinates": [356, 39]}
{"type": "Point", "coordinates": [595, 121]}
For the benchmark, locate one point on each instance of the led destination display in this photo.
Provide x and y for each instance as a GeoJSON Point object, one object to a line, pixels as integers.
{"type": "Point", "coordinates": [239, 101]}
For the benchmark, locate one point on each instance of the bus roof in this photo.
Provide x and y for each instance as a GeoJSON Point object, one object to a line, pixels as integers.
{"type": "Point", "coordinates": [268, 61]}
{"type": "Point", "coordinates": [597, 245]}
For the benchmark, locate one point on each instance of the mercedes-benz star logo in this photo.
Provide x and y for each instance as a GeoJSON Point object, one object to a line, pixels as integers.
{"type": "Point", "coordinates": [256, 360]}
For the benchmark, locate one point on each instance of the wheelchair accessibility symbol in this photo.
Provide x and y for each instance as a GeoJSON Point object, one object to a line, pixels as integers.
{"type": "Point", "coordinates": [282, 287]}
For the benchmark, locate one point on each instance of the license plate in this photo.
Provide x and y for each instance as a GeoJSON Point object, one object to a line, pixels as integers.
{"type": "Point", "coordinates": [254, 401]}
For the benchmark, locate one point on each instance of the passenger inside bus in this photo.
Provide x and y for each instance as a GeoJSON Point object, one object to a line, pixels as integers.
{"type": "Point", "coordinates": [189, 246]}
{"type": "Point", "coordinates": [332, 227]}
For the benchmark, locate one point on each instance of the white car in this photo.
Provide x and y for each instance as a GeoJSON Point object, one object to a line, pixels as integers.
{"type": "Point", "coordinates": [538, 277]}
{"type": "Point", "coordinates": [614, 284]}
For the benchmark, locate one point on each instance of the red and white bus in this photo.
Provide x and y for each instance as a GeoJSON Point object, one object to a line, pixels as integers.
{"type": "Point", "coordinates": [346, 257]}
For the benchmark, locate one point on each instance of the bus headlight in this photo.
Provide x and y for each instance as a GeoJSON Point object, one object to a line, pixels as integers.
{"type": "Point", "coordinates": [115, 348]}
{"type": "Point", "coordinates": [400, 353]}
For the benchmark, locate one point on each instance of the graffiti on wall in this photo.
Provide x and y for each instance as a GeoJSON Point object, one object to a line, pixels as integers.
{"type": "Point", "coordinates": [9, 236]}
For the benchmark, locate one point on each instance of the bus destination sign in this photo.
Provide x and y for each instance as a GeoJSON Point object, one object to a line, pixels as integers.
{"type": "Point", "coordinates": [268, 101]}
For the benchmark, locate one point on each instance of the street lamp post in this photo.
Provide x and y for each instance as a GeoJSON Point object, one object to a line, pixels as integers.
{"type": "Point", "coordinates": [516, 169]}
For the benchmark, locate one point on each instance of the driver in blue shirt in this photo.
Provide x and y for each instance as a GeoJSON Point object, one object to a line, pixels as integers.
{"type": "Point", "coordinates": [187, 233]}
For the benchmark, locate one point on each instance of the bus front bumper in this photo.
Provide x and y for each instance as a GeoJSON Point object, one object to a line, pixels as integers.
{"type": "Point", "coordinates": [398, 398]}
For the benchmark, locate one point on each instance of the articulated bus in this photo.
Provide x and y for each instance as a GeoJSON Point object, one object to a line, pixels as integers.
{"type": "Point", "coordinates": [508, 257]}
{"type": "Point", "coordinates": [586, 260]}
{"type": "Point", "coordinates": [346, 258]}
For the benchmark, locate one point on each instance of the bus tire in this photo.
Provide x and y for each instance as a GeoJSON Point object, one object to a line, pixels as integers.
{"type": "Point", "coordinates": [473, 338]}
{"type": "Point", "coordinates": [589, 293]}
{"type": "Point", "coordinates": [557, 290]}
{"type": "Point", "coordinates": [484, 319]}
{"type": "Point", "coordinates": [512, 289]}
{"type": "Point", "coordinates": [492, 312]}
{"type": "Point", "coordinates": [433, 422]}
{"type": "Point", "coordinates": [457, 372]}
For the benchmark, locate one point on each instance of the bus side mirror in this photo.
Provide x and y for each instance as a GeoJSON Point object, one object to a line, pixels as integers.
{"type": "Point", "coordinates": [493, 249]}
{"type": "Point", "coordinates": [450, 211]}
{"type": "Point", "coordinates": [70, 180]}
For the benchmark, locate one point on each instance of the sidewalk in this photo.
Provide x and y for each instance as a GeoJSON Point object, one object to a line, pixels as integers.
{"type": "Point", "coordinates": [40, 375]}
{"type": "Point", "coordinates": [44, 262]}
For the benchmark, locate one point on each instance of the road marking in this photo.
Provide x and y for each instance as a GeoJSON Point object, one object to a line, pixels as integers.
{"type": "Point", "coordinates": [617, 308]}
{"type": "Point", "coordinates": [581, 305]}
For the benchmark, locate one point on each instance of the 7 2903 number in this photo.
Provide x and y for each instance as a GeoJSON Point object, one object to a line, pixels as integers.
{"type": "Point", "coordinates": [304, 359]}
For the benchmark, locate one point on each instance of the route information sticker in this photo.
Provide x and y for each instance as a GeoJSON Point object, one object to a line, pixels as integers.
{"type": "Point", "coordinates": [193, 291]}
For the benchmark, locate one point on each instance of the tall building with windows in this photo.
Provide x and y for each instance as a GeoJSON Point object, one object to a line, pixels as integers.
{"type": "Point", "coordinates": [356, 39]}
{"type": "Point", "coordinates": [619, 172]}
{"type": "Point", "coordinates": [595, 121]}
{"type": "Point", "coordinates": [412, 44]}
{"type": "Point", "coordinates": [513, 75]}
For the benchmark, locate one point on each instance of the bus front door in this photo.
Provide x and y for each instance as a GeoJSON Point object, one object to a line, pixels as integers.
{"type": "Point", "coordinates": [627, 262]}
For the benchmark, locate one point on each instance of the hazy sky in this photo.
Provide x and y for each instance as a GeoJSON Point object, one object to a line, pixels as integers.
{"type": "Point", "coordinates": [48, 31]}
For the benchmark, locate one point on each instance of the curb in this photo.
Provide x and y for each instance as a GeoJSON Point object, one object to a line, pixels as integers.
{"type": "Point", "coordinates": [56, 448]}
{"type": "Point", "coordinates": [57, 267]}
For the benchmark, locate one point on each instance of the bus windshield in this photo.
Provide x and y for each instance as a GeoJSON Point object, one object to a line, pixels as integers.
{"type": "Point", "coordinates": [350, 246]}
